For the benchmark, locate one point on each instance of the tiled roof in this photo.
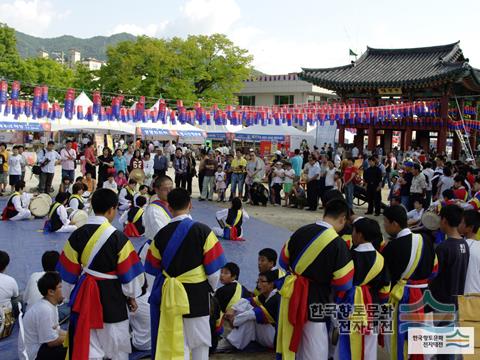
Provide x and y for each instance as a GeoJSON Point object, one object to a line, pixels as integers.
{"type": "Point", "coordinates": [397, 68]}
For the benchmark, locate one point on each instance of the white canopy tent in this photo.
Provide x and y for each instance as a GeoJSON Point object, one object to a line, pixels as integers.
{"type": "Point", "coordinates": [280, 133]}
{"type": "Point", "coordinates": [82, 100]}
{"type": "Point", "coordinates": [111, 127]}
{"type": "Point", "coordinates": [327, 133]}
{"type": "Point", "coordinates": [183, 133]}
{"type": "Point", "coordinates": [220, 132]}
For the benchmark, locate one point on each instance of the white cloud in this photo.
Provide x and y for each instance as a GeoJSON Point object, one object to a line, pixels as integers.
{"type": "Point", "coordinates": [33, 17]}
{"type": "Point", "coordinates": [149, 30]}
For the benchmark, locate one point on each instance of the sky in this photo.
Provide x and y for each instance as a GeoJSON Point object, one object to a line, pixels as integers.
{"type": "Point", "coordinates": [283, 36]}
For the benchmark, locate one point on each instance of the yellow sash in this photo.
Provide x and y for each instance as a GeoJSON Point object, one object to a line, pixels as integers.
{"type": "Point", "coordinates": [76, 196]}
{"type": "Point", "coordinates": [285, 329]}
{"type": "Point", "coordinates": [54, 207]}
{"type": "Point", "coordinates": [398, 290]}
{"type": "Point", "coordinates": [166, 214]}
{"type": "Point", "coordinates": [137, 216]}
{"type": "Point", "coordinates": [265, 312]}
{"type": "Point", "coordinates": [237, 219]}
{"type": "Point", "coordinates": [236, 297]}
{"type": "Point", "coordinates": [170, 339]}
{"type": "Point", "coordinates": [360, 318]}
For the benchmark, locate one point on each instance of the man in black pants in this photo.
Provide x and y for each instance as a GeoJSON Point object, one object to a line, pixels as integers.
{"type": "Point", "coordinates": [313, 175]}
{"type": "Point", "coordinates": [373, 180]}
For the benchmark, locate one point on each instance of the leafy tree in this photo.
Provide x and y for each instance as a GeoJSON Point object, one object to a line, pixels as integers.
{"type": "Point", "coordinates": [84, 78]}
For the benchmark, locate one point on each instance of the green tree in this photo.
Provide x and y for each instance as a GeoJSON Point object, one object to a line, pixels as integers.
{"type": "Point", "coordinates": [84, 79]}
{"type": "Point", "coordinates": [11, 65]}
{"type": "Point", "coordinates": [206, 68]}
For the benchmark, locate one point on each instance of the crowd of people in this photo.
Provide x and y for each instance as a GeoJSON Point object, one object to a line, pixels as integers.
{"type": "Point", "coordinates": [179, 297]}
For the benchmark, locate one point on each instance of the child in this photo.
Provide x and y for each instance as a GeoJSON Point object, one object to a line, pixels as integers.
{"type": "Point", "coordinates": [459, 189]}
{"type": "Point", "coordinates": [220, 183]}
{"type": "Point", "coordinates": [90, 182]}
{"type": "Point", "coordinates": [15, 167]}
{"type": "Point", "coordinates": [255, 319]}
{"type": "Point", "coordinates": [57, 216]}
{"type": "Point", "coordinates": [14, 210]}
{"type": "Point", "coordinates": [126, 196]}
{"type": "Point", "coordinates": [371, 277]}
{"type": "Point", "coordinates": [66, 186]}
{"type": "Point", "coordinates": [338, 184]}
{"type": "Point", "coordinates": [133, 218]}
{"type": "Point", "coordinates": [414, 216]}
{"type": "Point", "coordinates": [148, 168]}
{"type": "Point", "coordinates": [394, 189]}
{"type": "Point", "coordinates": [298, 198]}
{"type": "Point", "coordinates": [76, 201]}
{"type": "Point", "coordinates": [121, 180]}
{"type": "Point", "coordinates": [144, 191]}
{"type": "Point", "coordinates": [267, 260]}
{"type": "Point", "coordinates": [468, 229]}
{"type": "Point", "coordinates": [288, 182]}
{"type": "Point", "coordinates": [278, 174]}
{"type": "Point", "coordinates": [231, 220]}
{"type": "Point", "coordinates": [110, 183]}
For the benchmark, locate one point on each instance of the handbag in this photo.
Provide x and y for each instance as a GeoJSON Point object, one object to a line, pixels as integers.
{"type": "Point", "coordinates": [36, 170]}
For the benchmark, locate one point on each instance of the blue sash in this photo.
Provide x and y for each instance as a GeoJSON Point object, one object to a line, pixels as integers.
{"type": "Point", "coordinates": [176, 240]}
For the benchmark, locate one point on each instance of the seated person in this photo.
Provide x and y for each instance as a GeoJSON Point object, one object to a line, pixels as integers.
{"type": "Point", "coordinates": [267, 260]}
{"type": "Point", "coordinates": [90, 182]}
{"type": "Point", "coordinates": [43, 337]}
{"type": "Point", "coordinates": [121, 179]}
{"type": "Point", "coordinates": [76, 200]}
{"type": "Point", "coordinates": [8, 296]}
{"type": "Point", "coordinates": [144, 191]}
{"type": "Point", "coordinates": [415, 216]}
{"type": "Point", "coordinates": [258, 194]}
{"type": "Point", "coordinates": [133, 218]}
{"type": "Point", "coordinates": [65, 186]}
{"type": "Point", "coordinates": [298, 198]}
{"type": "Point", "coordinates": [459, 190]}
{"type": "Point", "coordinates": [255, 319]}
{"type": "Point", "coordinates": [448, 199]}
{"type": "Point", "coordinates": [57, 216]}
{"type": "Point", "coordinates": [110, 183]}
{"type": "Point", "coordinates": [32, 294]}
{"type": "Point", "coordinates": [126, 195]}
{"type": "Point", "coordinates": [231, 220]}
{"type": "Point", "coordinates": [14, 210]}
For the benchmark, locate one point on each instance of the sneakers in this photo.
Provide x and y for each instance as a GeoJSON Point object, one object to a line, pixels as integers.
{"type": "Point", "coordinates": [224, 346]}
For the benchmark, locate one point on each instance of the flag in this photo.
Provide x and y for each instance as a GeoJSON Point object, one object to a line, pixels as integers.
{"type": "Point", "coordinates": [351, 52]}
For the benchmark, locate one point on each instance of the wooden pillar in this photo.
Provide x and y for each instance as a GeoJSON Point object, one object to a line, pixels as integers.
{"type": "Point", "coordinates": [358, 140]}
{"type": "Point", "coordinates": [407, 138]}
{"type": "Point", "coordinates": [341, 135]}
{"type": "Point", "coordinates": [372, 138]}
{"type": "Point", "coordinates": [387, 141]}
{"type": "Point", "coordinates": [456, 141]}
{"type": "Point", "coordinates": [473, 133]}
{"type": "Point", "coordinates": [442, 133]}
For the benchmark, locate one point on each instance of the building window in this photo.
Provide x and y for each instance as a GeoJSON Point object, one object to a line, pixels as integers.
{"type": "Point", "coordinates": [284, 99]}
{"type": "Point", "coordinates": [246, 100]}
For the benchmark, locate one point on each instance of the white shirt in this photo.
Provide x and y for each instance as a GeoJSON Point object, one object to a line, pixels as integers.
{"type": "Point", "coordinates": [365, 247]}
{"type": "Point", "coordinates": [278, 175]}
{"type": "Point", "coordinates": [337, 160]}
{"type": "Point", "coordinates": [148, 167]}
{"type": "Point", "coordinates": [154, 219]}
{"type": "Point", "coordinates": [122, 197]}
{"type": "Point", "coordinates": [447, 183]}
{"type": "Point", "coordinates": [289, 176]}
{"type": "Point", "coordinates": [68, 164]}
{"type": "Point", "coordinates": [313, 171]}
{"type": "Point", "coordinates": [74, 203]}
{"type": "Point", "coordinates": [429, 173]}
{"type": "Point", "coordinates": [355, 152]}
{"type": "Point", "coordinates": [62, 214]}
{"type": "Point", "coordinates": [32, 294]}
{"type": "Point", "coordinates": [8, 290]}
{"type": "Point", "coordinates": [222, 214]}
{"type": "Point", "coordinates": [415, 214]}
{"type": "Point", "coordinates": [53, 156]}
{"type": "Point", "coordinates": [472, 280]}
{"type": "Point", "coordinates": [330, 177]}
{"type": "Point", "coordinates": [15, 164]}
{"type": "Point", "coordinates": [41, 326]}
{"type": "Point", "coordinates": [17, 203]}
{"type": "Point", "coordinates": [110, 185]}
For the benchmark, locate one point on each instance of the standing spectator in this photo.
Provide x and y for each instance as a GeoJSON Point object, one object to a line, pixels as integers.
{"type": "Point", "coordinates": [201, 169]}
{"type": "Point", "coordinates": [288, 182]}
{"type": "Point", "coordinates": [405, 183]}
{"type": "Point", "coordinates": [180, 166]}
{"type": "Point", "coordinates": [227, 167]}
{"type": "Point", "coordinates": [428, 173]}
{"type": "Point", "coordinates": [15, 167]}
{"type": "Point", "coordinates": [355, 152]}
{"type": "Point", "coordinates": [90, 160]}
{"type": "Point", "coordinates": [373, 184]}
{"type": "Point", "coordinates": [446, 182]}
{"type": "Point", "coordinates": [220, 183]}
{"type": "Point", "coordinates": [297, 163]}
{"type": "Point", "coordinates": [418, 187]}
{"type": "Point", "coordinates": [338, 159]}
{"type": "Point", "coordinates": [21, 150]}
{"type": "Point", "coordinates": [312, 169]}
{"type": "Point", "coordinates": [349, 175]}
{"type": "Point", "coordinates": [160, 163]}
{"type": "Point", "coordinates": [259, 171]}
{"type": "Point", "coordinates": [388, 172]}
{"type": "Point", "coordinates": [128, 157]}
{"type": "Point", "coordinates": [119, 162]}
{"type": "Point", "coordinates": [239, 165]}
{"type": "Point", "coordinates": [209, 177]}
{"type": "Point", "coordinates": [136, 162]}
{"type": "Point", "coordinates": [68, 156]}
{"type": "Point", "coordinates": [148, 168]}
{"type": "Point", "coordinates": [468, 229]}
{"type": "Point", "coordinates": [191, 170]}
{"type": "Point", "coordinates": [278, 174]}
{"type": "Point", "coordinates": [106, 166]}
{"type": "Point", "coordinates": [48, 162]}
{"type": "Point", "coordinates": [4, 170]}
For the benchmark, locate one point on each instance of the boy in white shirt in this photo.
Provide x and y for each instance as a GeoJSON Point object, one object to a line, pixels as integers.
{"type": "Point", "coordinates": [415, 216]}
{"type": "Point", "coordinates": [32, 294]}
{"type": "Point", "coordinates": [288, 182]}
{"type": "Point", "coordinates": [278, 174]}
{"type": "Point", "coordinates": [15, 167]}
{"type": "Point", "coordinates": [43, 335]}
{"type": "Point", "coordinates": [110, 183]}
{"type": "Point", "coordinates": [468, 229]}
{"type": "Point", "coordinates": [220, 183]}
{"type": "Point", "coordinates": [8, 295]}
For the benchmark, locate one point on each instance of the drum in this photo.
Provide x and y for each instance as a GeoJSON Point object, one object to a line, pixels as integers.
{"type": "Point", "coordinates": [431, 220]}
{"type": "Point", "coordinates": [79, 218]}
{"type": "Point", "coordinates": [86, 195]}
{"type": "Point", "coordinates": [47, 198]}
{"type": "Point", "coordinates": [138, 175]}
{"type": "Point", "coordinates": [39, 206]}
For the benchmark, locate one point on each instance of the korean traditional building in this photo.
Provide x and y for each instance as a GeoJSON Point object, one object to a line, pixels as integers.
{"type": "Point", "coordinates": [439, 73]}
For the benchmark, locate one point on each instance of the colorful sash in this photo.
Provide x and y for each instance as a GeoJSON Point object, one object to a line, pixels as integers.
{"type": "Point", "coordinates": [169, 298]}
{"type": "Point", "coordinates": [230, 232]}
{"type": "Point", "coordinates": [87, 310]}
{"type": "Point", "coordinates": [10, 208]}
{"type": "Point", "coordinates": [79, 198]}
{"type": "Point", "coordinates": [352, 346]}
{"type": "Point", "coordinates": [48, 226]}
{"type": "Point", "coordinates": [262, 315]}
{"type": "Point", "coordinates": [398, 296]}
{"type": "Point", "coordinates": [160, 204]}
{"type": "Point", "coordinates": [130, 228]}
{"type": "Point", "coordinates": [294, 296]}
{"type": "Point", "coordinates": [237, 295]}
